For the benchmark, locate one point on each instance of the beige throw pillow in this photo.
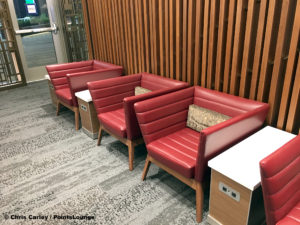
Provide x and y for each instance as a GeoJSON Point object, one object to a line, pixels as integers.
{"type": "Point", "coordinates": [140, 90]}
{"type": "Point", "coordinates": [200, 118]}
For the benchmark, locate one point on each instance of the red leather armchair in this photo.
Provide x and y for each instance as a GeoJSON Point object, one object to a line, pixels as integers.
{"type": "Point", "coordinates": [69, 78]}
{"type": "Point", "coordinates": [280, 180]}
{"type": "Point", "coordinates": [184, 152]}
{"type": "Point", "coordinates": [114, 99]}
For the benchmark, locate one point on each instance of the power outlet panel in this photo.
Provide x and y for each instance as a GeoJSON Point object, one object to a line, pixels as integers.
{"type": "Point", "coordinates": [229, 191]}
{"type": "Point", "coordinates": [83, 107]}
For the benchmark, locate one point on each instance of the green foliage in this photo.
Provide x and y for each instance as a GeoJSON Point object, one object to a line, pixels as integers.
{"type": "Point", "coordinates": [34, 20]}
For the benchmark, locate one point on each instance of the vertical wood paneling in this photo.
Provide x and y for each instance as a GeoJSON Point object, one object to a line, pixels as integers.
{"type": "Point", "coordinates": [277, 79]}
{"type": "Point", "coordinates": [161, 37]}
{"type": "Point", "coordinates": [220, 43]}
{"type": "Point", "coordinates": [147, 39]}
{"type": "Point", "coordinates": [236, 47]}
{"type": "Point", "coordinates": [198, 39]}
{"type": "Point", "coordinates": [205, 40]}
{"type": "Point", "coordinates": [153, 34]}
{"type": "Point", "coordinates": [171, 33]}
{"type": "Point", "coordinates": [133, 39]}
{"type": "Point", "coordinates": [246, 48]}
{"type": "Point", "coordinates": [116, 32]}
{"type": "Point", "coordinates": [107, 30]}
{"type": "Point", "coordinates": [184, 40]}
{"type": "Point", "coordinates": [97, 25]}
{"type": "Point", "coordinates": [230, 31]}
{"type": "Point", "coordinates": [289, 72]}
{"type": "Point", "coordinates": [258, 49]}
{"type": "Point", "coordinates": [111, 25]}
{"type": "Point", "coordinates": [178, 39]}
{"type": "Point", "coordinates": [190, 40]}
{"type": "Point", "coordinates": [167, 38]}
{"type": "Point", "coordinates": [246, 54]}
{"type": "Point", "coordinates": [210, 61]}
{"type": "Point", "coordinates": [122, 33]}
{"type": "Point", "coordinates": [293, 118]}
{"type": "Point", "coordinates": [128, 36]}
{"type": "Point", "coordinates": [139, 19]}
{"type": "Point", "coordinates": [266, 51]}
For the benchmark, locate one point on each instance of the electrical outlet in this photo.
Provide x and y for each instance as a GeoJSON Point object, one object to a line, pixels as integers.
{"type": "Point", "coordinates": [229, 191]}
{"type": "Point", "coordinates": [83, 107]}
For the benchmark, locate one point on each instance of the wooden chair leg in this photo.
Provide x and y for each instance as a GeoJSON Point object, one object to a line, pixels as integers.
{"type": "Point", "coordinates": [146, 168]}
{"type": "Point", "coordinates": [199, 201]}
{"type": "Point", "coordinates": [57, 107]}
{"type": "Point", "coordinates": [131, 154]}
{"type": "Point", "coordinates": [99, 135]}
{"type": "Point", "coordinates": [76, 111]}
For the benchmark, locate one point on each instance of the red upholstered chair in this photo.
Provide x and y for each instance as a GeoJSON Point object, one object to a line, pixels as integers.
{"type": "Point", "coordinates": [280, 180]}
{"type": "Point", "coordinates": [69, 78]}
{"type": "Point", "coordinates": [184, 152]}
{"type": "Point", "coordinates": [114, 99]}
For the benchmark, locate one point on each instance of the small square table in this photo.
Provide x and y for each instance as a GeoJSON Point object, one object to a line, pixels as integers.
{"type": "Point", "coordinates": [88, 114]}
{"type": "Point", "coordinates": [235, 191]}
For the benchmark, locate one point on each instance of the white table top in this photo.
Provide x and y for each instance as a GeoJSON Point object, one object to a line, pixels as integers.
{"type": "Point", "coordinates": [47, 77]}
{"type": "Point", "coordinates": [84, 95]}
{"type": "Point", "coordinates": [241, 162]}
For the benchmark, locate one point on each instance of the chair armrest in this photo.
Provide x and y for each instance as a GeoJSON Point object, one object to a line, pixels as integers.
{"type": "Point", "coordinates": [108, 94]}
{"type": "Point", "coordinates": [103, 65]}
{"type": "Point", "coordinates": [79, 80]}
{"type": "Point", "coordinates": [58, 72]}
{"type": "Point", "coordinates": [220, 137]}
{"type": "Point", "coordinates": [160, 116]}
{"type": "Point", "coordinates": [68, 66]}
{"type": "Point", "coordinates": [132, 126]}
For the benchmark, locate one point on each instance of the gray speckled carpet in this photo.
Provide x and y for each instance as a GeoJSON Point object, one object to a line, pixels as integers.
{"type": "Point", "coordinates": [47, 169]}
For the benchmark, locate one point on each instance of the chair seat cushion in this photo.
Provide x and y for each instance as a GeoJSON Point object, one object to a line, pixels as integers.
{"type": "Point", "coordinates": [64, 95]}
{"type": "Point", "coordinates": [178, 151]}
{"type": "Point", "coordinates": [114, 121]}
{"type": "Point", "coordinates": [292, 218]}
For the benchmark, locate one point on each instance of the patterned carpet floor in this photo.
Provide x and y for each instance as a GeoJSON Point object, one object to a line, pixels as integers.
{"type": "Point", "coordinates": [51, 171]}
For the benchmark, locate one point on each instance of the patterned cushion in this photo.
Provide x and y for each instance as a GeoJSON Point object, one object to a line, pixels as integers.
{"type": "Point", "coordinates": [140, 90]}
{"type": "Point", "coordinates": [200, 118]}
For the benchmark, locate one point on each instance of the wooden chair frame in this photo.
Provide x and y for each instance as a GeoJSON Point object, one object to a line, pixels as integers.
{"type": "Point", "coordinates": [130, 143]}
{"type": "Point", "coordinates": [73, 108]}
{"type": "Point", "coordinates": [196, 185]}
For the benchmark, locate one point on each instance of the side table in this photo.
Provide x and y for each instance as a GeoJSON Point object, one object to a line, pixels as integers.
{"type": "Point", "coordinates": [88, 114]}
{"type": "Point", "coordinates": [235, 191]}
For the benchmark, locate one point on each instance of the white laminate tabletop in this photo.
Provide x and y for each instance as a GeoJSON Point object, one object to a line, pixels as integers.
{"type": "Point", "coordinates": [47, 77]}
{"type": "Point", "coordinates": [84, 95]}
{"type": "Point", "coordinates": [241, 162]}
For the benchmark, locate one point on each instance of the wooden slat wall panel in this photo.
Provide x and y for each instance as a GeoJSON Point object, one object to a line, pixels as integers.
{"type": "Point", "coordinates": [289, 73]}
{"type": "Point", "coordinates": [147, 36]}
{"type": "Point", "coordinates": [258, 49]}
{"type": "Point", "coordinates": [205, 40]}
{"type": "Point", "coordinates": [220, 45]}
{"type": "Point", "coordinates": [178, 39]}
{"type": "Point", "coordinates": [198, 41]}
{"type": "Point", "coordinates": [281, 51]}
{"type": "Point", "coordinates": [228, 50]}
{"type": "Point", "coordinates": [246, 48]}
{"type": "Point", "coordinates": [191, 40]}
{"type": "Point", "coordinates": [246, 56]}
